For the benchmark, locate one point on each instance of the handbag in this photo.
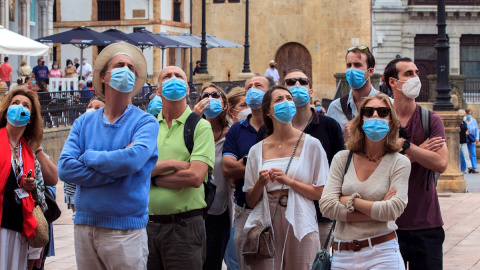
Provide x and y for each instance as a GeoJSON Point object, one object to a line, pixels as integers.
{"type": "Point", "coordinates": [260, 241]}
{"type": "Point", "coordinates": [41, 232]}
{"type": "Point", "coordinates": [323, 259]}
{"type": "Point", "coordinates": [471, 138]}
{"type": "Point", "coordinates": [53, 212]}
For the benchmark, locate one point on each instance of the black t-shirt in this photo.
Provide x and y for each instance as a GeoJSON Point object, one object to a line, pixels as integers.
{"type": "Point", "coordinates": [463, 132]}
{"type": "Point", "coordinates": [328, 132]}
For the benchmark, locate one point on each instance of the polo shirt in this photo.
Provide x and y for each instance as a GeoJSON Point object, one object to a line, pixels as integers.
{"type": "Point", "coordinates": [5, 71]}
{"type": "Point", "coordinates": [171, 145]}
{"type": "Point", "coordinates": [238, 141]}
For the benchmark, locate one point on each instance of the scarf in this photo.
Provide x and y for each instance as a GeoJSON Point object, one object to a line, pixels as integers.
{"type": "Point", "coordinates": [29, 221]}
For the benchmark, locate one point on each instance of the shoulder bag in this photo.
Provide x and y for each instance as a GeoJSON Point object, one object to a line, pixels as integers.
{"type": "Point", "coordinates": [323, 260]}
{"type": "Point", "coordinates": [41, 232]}
{"type": "Point", "coordinates": [260, 240]}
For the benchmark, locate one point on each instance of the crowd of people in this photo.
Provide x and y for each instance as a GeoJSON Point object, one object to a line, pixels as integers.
{"type": "Point", "coordinates": [139, 182]}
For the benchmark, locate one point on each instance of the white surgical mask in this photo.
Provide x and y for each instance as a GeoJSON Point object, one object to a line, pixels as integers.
{"type": "Point", "coordinates": [84, 62]}
{"type": "Point", "coordinates": [411, 87]}
{"type": "Point", "coordinates": [243, 114]}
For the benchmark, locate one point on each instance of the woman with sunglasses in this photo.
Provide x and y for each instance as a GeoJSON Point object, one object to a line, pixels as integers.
{"type": "Point", "coordinates": [371, 194]}
{"type": "Point", "coordinates": [212, 104]}
{"type": "Point", "coordinates": [21, 131]}
{"type": "Point", "coordinates": [285, 200]}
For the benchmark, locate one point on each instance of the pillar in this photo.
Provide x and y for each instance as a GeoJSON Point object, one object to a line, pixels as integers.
{"type": "Point", "coordinates": [454, 42]}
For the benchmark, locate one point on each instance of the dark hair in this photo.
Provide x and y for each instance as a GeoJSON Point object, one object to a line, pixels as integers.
{"type": "Point", "coordinates": [68, 61]}
{"type": "Point", "coordinates": [267, 100]}
{"type": "Point", "coordinates": [27, 78]}
{"type": "Point", "coordinates": [89, 83]}
{"type": "Point", "coordinates": [5, 59]}
{"type": "Point", "coordinates": [367, 52]}
{"type": "Point", "coordinates": [391, 70]}
{"type": "Point", "coordinates": [197, 62]}
{"type": "Point", "coordinates": [19, 81]}
{"type": "Point", "coordinates": [271, 83]}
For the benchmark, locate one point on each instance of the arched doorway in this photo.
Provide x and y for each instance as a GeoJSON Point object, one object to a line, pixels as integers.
{"type": "Point", "coordinates": [293, 55]}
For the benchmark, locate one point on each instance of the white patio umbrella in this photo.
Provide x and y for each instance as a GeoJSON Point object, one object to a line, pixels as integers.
{"type": "Point", "coordinates": [13, 43]}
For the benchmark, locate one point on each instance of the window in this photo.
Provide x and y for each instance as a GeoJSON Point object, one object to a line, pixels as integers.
{"type": "Point", "coordinates": [470, 55]}
{"type": "Point", "coordinates": [177, 11]}
{"type": "Point", "coordinates": [218, 1]}
{"type": "Point", "coordinates": [108, 10]}
{"type": "Point", "coordinates": [447, 2]}
{"type": "Point", "coordinates": [136, 29]}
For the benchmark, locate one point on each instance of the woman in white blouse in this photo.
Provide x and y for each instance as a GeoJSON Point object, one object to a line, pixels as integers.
{"type": "Point", "coordinates": [294, 225]}
{"type": "Point", "coordinates": [367, 199]}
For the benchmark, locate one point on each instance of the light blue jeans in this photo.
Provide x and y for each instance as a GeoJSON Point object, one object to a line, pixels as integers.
{"type": "Point", "coordinates": [230, 256]}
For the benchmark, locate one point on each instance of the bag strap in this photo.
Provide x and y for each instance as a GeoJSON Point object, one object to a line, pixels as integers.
{"type": "Point", "coordinates": [286, 171]}
{"type": "Point", "coordinates": [189, 130]}
{"type": "Point", "coordinates": [425, 120]}
{"type": "Point", "coordinates": [345, 108]}
{"type": "Point", "coordinates": [325, 246]}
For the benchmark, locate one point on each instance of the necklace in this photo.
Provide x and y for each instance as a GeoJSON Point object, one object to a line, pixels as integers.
{"type": "Point", "coordinates": [220, 136]}
{"type": "Point", "coordinates": [373, 159]}
{"type": "Point", "coordinates": [15, 149]}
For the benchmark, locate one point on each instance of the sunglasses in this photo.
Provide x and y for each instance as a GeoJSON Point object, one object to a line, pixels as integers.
{"type": "Point", "coordinates": [361, 48]}
{"type": "Point", "coordinates": [293, 81]}
{"type": "Point", "coordinates": [214, 94]}
{"type": "Point", "coordinates": [381, 111]}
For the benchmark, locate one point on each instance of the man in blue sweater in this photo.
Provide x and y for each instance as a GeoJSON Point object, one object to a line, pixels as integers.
{"type": "Point", "coordinates": [109, 155]}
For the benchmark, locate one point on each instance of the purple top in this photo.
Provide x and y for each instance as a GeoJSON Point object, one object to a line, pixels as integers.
{"type": "Point", "coordinates": [423, 208]}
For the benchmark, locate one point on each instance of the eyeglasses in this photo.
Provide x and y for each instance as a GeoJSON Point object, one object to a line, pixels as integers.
{"type": "Point", "coordinates": [361, 48]}
{"type": "Point", "coordinates": [382, 111]}
{"type": "Point", "coordinates": [293, 81]}
{"type": "Point", "coordinates": [214, 94]}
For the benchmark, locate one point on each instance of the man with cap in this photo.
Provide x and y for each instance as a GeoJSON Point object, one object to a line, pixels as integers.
{"type": "Point", "coordinates": [197, 68]}
{"type": "Point", "coordinates": [272, 72]}
{"type": "Point", "coordinates": [176, 233]}
{"type": "Point", "coordinates": [109, 155]}
{"type": "Point", "coordinates": [85, 93]}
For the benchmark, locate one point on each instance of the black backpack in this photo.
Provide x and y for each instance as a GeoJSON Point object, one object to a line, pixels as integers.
{"type": "Point", "coordinates": [345, 108]}
{"type": "Point", "coordinates": [188, 132]}
{"type": "Point", "coordinates": [425, 120]}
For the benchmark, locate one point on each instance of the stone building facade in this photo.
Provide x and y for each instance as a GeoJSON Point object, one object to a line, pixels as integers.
{"type": "Point", "coordinates": [306, 34]}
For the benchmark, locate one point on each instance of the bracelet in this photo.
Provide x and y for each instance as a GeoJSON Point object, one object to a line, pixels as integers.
{"type": "Point", "coordinates": [350, 208]}
{"type": "Point", "coordinates": [38, 150]}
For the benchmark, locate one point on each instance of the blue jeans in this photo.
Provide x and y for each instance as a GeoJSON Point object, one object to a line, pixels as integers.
{"type": "Point", "coordinates": [473, 154]}
{"type": "Point", "coordinates": [230, 256]}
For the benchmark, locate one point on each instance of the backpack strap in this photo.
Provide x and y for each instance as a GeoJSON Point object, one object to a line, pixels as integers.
{"type": "Point", "coordinates": [345, 108]}
{"type": "Point", "coordinates": [425, 120]}
{"type": "Point", "coordinates": [189, 130]}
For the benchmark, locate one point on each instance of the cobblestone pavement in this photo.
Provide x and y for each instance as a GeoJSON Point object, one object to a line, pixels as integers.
{"type": "Point", "coordinates": [461, 214]}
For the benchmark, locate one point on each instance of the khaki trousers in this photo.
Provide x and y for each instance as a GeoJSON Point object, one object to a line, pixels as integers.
{"type": "Point", "coordinates": [104, 248]}
{"type": "Point", "coordinates": [296, 255]}
{"type": "Point", "coordinates": [241, 215]}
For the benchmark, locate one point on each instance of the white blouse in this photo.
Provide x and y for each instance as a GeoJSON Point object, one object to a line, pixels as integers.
{"type": "Point", "coordinates": [311, 168]}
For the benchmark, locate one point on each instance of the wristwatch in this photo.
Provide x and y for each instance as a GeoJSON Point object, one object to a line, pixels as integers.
{"type": "Point", "coordinates": [245, 160]}
{"type": "Point", "coordinates": [405, 146]}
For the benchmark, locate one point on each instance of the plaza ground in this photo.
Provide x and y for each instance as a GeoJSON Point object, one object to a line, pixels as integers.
{"type": "Point", "coordinates": [461, 214]}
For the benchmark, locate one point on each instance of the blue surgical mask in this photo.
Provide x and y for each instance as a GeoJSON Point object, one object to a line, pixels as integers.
{"type": "Point", "coordinates": [155, 106]}
{"type": "Point", "coordinates": [254, 98]}
{"type": "Point", "coordinates": [300, 95]}
{"type": "Point", "coordinates": [18, 116]}
{"type": "Point", "coordinates": [122, 79]}
{"type": "Point", "coordinates": [33, 82]}
{"type": "Point", "coordinates": [356, 78]}
{"type": "Point", "coordinates": [469, 117]}
{"type": "Point", "coordinates": [214, 109]}
{"type": "Point", "coordinates": [284, 111]}
{"type": "Point", "coordinates": [375, 128]}
{"type": "Point", "coordinates": [174, 89]}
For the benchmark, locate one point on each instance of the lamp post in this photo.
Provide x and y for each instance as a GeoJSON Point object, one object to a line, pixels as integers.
{"type": "Point", "coordinates": [246, 56]}
{"type": "Point", "coordinates": [443, 86]}
{"type": "Point", "coordinates": [203, 43]}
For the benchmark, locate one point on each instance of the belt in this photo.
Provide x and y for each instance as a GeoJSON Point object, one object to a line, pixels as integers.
{"type": "Point", "coordinates": [175, 217]}
{"type": "Point", "coordinates": [357, 245]}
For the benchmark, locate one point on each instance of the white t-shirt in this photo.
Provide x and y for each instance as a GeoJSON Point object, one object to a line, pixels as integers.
{"type": "Point", "coordinates": [272, 72]}
{"type": "Point", "coordinates": [85, 69]}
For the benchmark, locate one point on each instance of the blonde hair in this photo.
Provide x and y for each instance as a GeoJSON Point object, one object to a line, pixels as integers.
{"type": "Point", "coordinates": [356, 141]}
{"type": "Point", "coordinates": [34, 131]}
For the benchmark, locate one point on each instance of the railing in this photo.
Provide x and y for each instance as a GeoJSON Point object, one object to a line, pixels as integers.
{"type": "Point", "coordinates": [108, 10]}
{"type": "Point", "coordinates": [63, 107]}
{"type": "Point", "coordinates": [471, 91]}
{"type": "Point", "coordinates": [57, 83]}
{"type": "Point", "coordinates": [227, 86]}
{"type": "Point", "coordinates": [447, 2]}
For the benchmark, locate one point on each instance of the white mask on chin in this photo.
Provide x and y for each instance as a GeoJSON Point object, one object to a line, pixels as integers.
{"type": "Point", "coordinates": [243, 114]}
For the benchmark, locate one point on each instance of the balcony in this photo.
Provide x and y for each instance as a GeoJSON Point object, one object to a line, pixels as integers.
{"type": "Point", "coordinates": [447, 2]}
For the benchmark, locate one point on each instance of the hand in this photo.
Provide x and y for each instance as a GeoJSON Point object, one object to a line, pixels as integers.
{"type": "Point", "coordinates": [233, 183]}
{"type": "Point", "coordinates": [201, 106]}
{"type": "Point", "coordinates": [392, 192]}
{"type": "Point", "coordinates": [476, 142]}
{"type": "Point", "coordinates": [28, 183]}
{"type": "Point", "coordinates": [433, 144]}
{"type": "Point", "coordinates": [178, 165]}
{"type": "Point", "coordinates": [263, 177]}
{"type": "Point", "coordinates": [280, 176]}
{"type": "Point", "coordinates": [344, 199]}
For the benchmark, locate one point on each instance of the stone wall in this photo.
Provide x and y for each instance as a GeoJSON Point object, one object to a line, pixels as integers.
{"type": "Point", "coordinates": [53, 141]}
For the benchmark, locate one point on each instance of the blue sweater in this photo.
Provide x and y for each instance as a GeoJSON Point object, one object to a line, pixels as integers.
{"type": "Point", "coordinates": [112, 181]}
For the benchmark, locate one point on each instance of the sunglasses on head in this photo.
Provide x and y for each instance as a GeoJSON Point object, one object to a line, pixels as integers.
{"type": "Point", "coordinates": [381, 111]}
{"type": "Point", "coordinates": [293, 81]}
{"type": "Point", "coordinates": [361, 48]}
{"type": "Point", "coordinates": [214, 94]}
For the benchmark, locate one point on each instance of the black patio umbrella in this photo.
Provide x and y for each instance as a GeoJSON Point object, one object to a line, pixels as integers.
{"type": "Point", "coordinates": [81, 37]}
{"type": "Point", "coordinates": [120, 36]}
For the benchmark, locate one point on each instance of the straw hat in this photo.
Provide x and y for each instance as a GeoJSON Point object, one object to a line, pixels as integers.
{"type": "Point", "coordinates": [115, 49]}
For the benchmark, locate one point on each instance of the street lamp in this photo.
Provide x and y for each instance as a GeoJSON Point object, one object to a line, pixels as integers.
{"type": "Point", "coordinates": [443, 85]}
{"type": "Point", "coordinates": [203, 43]}
{"type": "Point", "coordinates": [246, 57]}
